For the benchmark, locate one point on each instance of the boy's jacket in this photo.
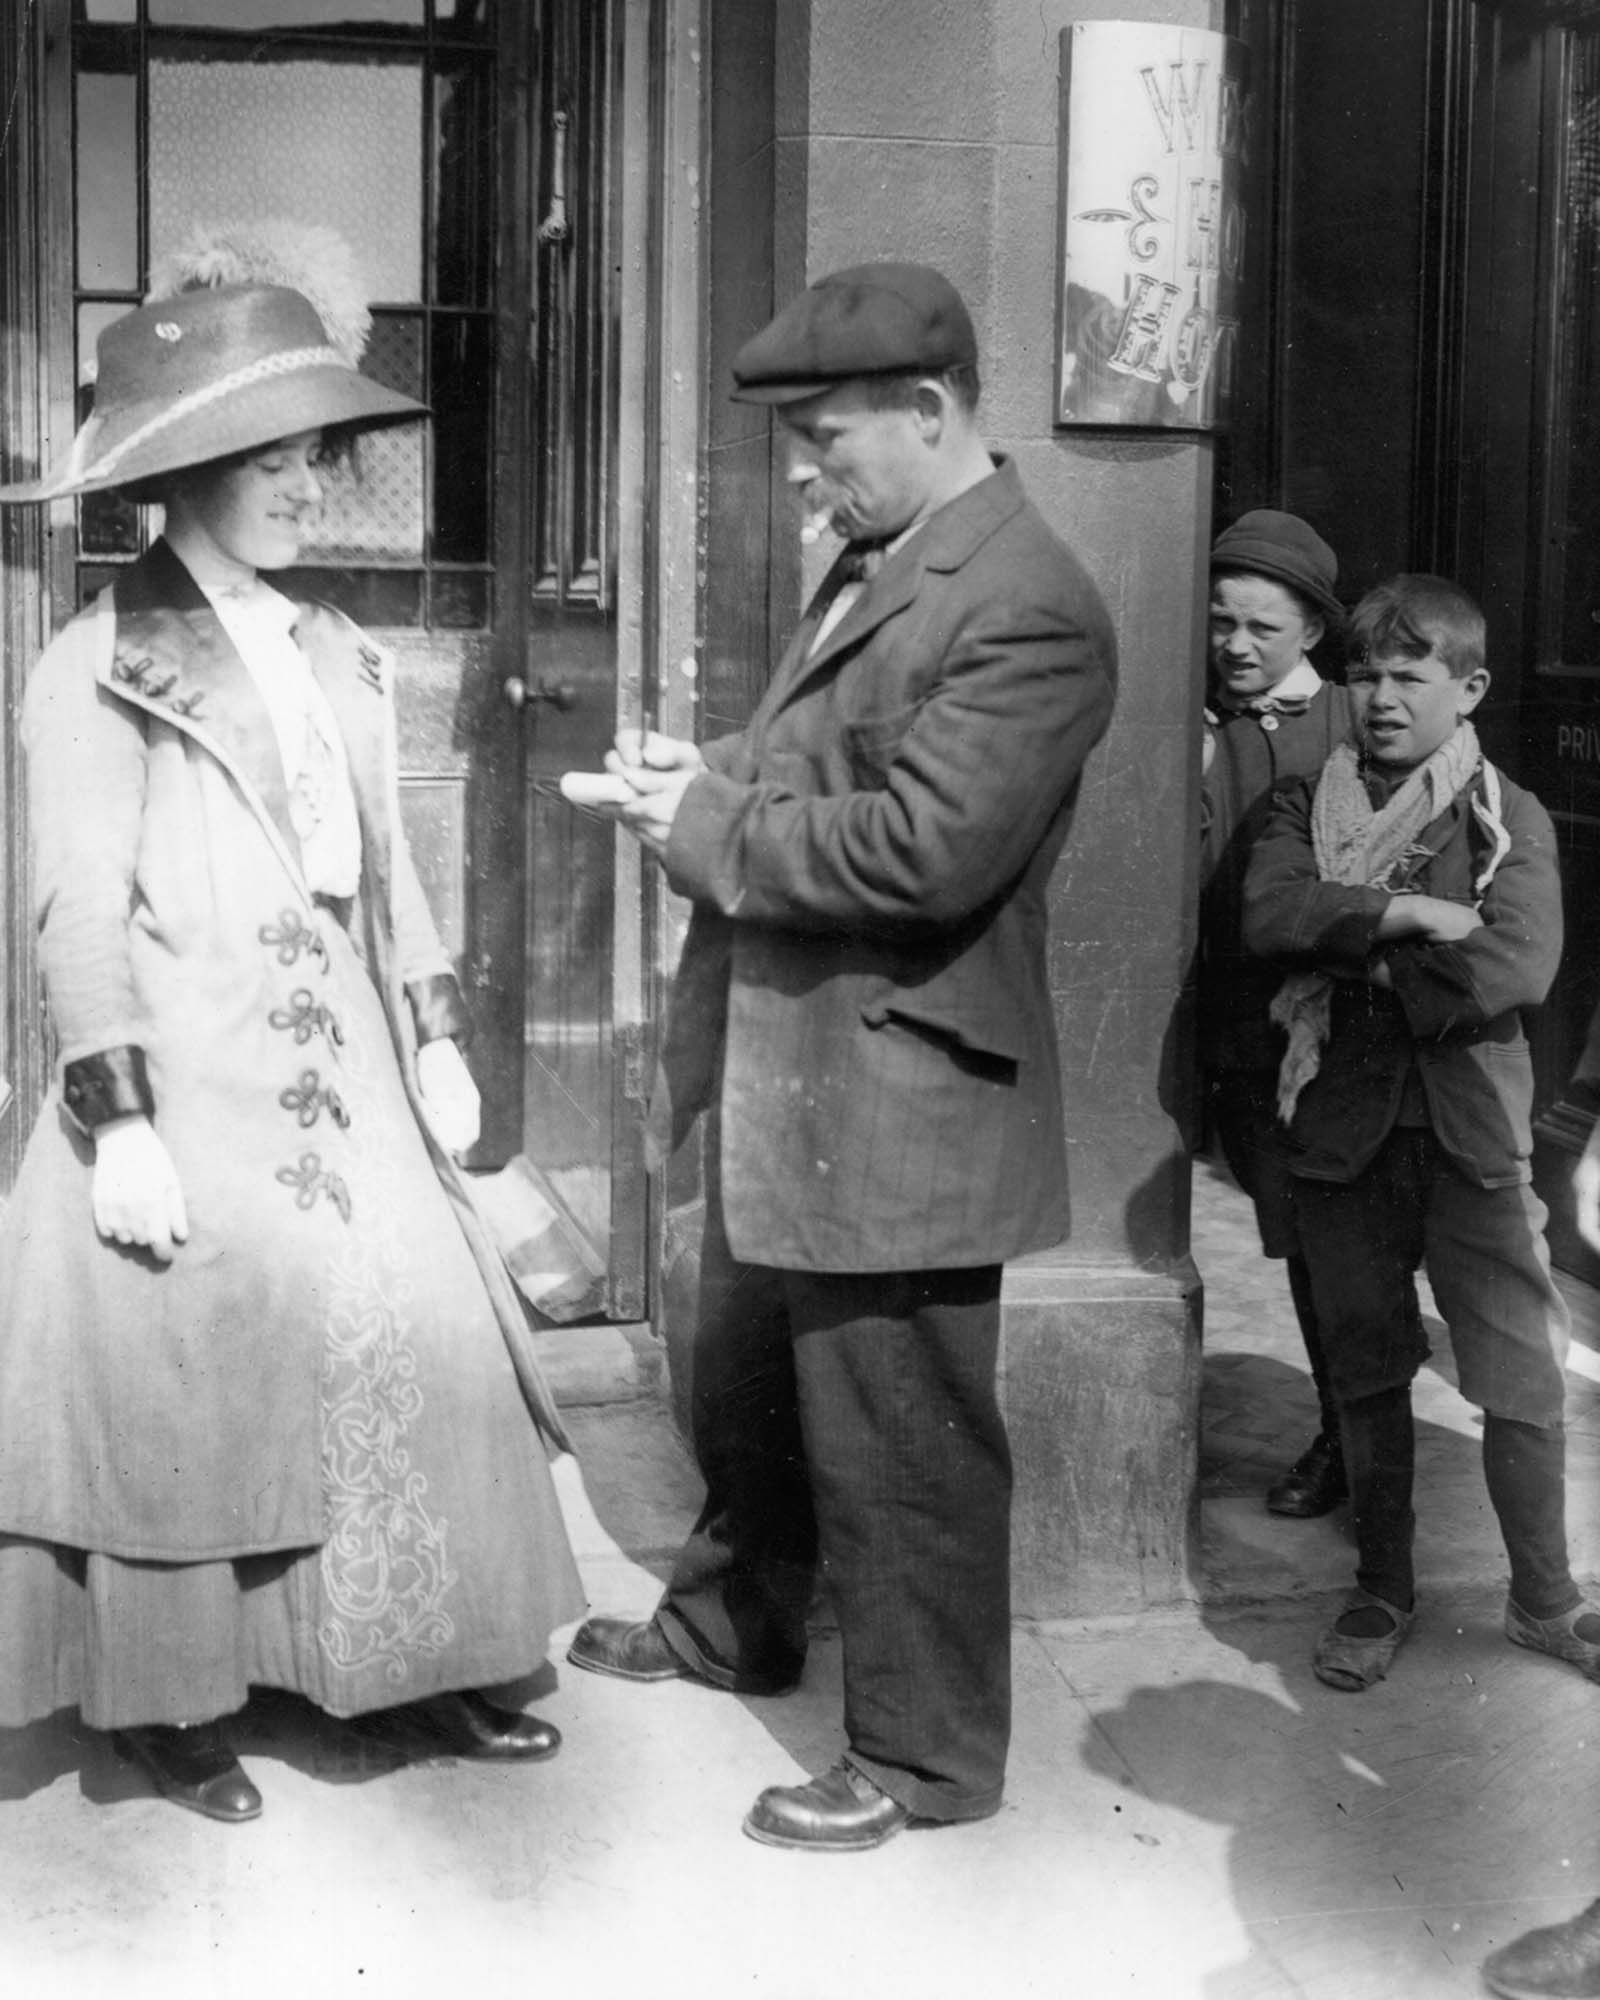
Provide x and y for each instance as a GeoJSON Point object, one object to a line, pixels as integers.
{"type": "Point", "coordinates": [1453, 1010]}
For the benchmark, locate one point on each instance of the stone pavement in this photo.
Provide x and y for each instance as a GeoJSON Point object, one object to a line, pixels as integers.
{"type": "Point", "coordinates": [1189, 1813]}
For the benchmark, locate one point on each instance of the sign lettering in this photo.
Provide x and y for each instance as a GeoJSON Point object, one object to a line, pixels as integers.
{"type": "Point", "coordinates": [1155, 131]}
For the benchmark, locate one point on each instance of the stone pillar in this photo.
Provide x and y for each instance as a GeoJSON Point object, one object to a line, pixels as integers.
{"type": "Point", "coordinates": [931, 134]}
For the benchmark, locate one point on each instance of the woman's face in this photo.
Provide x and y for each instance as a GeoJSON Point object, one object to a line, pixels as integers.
{"type": "Point", "coordinates": [1259, 633]}
{"type": "Point", "coordinates": [253, 513]}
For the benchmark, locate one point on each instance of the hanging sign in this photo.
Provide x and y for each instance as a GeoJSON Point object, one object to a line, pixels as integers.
{"type": "Point", "coordinates": [1153, 142]}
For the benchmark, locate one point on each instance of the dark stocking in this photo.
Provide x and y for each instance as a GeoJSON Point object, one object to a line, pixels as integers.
{"type": "Point", "coordinates": [1525, 1468]}
{"type": "Point", "coordinates": [1379, 1460]}
{"type": "Point", "coordinates": [1305, 1312]}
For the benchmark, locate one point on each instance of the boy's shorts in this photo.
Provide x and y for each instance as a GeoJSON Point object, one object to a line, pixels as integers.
{"type": "Point", "coordinates": [1485, 1256]}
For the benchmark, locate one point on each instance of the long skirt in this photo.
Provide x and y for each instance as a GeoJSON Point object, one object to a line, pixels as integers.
{"type": "Point", "coordinates": [445, 1562]}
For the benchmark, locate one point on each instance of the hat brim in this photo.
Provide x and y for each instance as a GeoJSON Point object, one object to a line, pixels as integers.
{"type": "Point", "coordinates": [1263, 565]}
{"type": "Point", "coordinates": [798, 391]}
{"type": "Point", "coordinates": [104, 457]}
{"type": "Point", "coordinates": [784, 392]}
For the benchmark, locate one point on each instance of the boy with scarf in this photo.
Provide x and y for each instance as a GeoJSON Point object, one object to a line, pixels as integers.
{"type": "Point", "coordinates": [1410, 891]}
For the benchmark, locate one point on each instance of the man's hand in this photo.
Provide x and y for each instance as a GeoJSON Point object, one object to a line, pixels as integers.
{"type": "Point", "coordinates": [660, 769]}
{"type": "Point", "coordinates": [1586, 1190]}
{"type": "Point", "coordinates": [137, 1197]}
{"type": "Point", "coordinates": [1431, 918]}
{"type": "Point", "coordinates": [450, 1094]}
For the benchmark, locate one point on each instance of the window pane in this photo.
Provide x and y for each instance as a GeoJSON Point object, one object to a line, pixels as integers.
{"type": "Point", "coordinates": [93, 578]}
{"type": "Point", "coordinates": [93, 319]}
{"type": "Point", "coordinates": [110, 10]}
{"type": "Point", "coordinates": [463, 184]}
{"type": "Point", "coordinates": [461, 600]}
{"type": "Point", "coordinates": [108, 525]}
{"type": "Point", "coordinates": [462, 380]}
{"type": "Point", "coordinates": [375, 513]}
{"type": "Point", "coordinates": [108, 182]}
{"type": "Point", "coordinates": [333, 143]}
{"type": "Point", "coordinates": [283, 13]}
{"type": "Point", "coordinates": [1573, 621]}
{"type": "Point", "coordinates": [372, 597]}
{"type": "Point", "coordinates": [465, 17]}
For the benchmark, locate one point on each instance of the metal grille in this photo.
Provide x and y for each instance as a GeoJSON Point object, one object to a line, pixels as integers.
{"type": "Point", "coordinates": [573, 332]}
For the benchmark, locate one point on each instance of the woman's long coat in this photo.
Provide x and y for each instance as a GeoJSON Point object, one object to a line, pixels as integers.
{"type": "Point", "coordinates": [175, 1413]}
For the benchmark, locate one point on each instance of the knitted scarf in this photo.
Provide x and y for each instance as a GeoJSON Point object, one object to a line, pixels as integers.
{"type": "Point", "coordinates": [1355, 842]}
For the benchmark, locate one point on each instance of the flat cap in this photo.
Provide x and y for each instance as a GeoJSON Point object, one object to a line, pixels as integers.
{"type": "Point", "coordinates": [872, 319]}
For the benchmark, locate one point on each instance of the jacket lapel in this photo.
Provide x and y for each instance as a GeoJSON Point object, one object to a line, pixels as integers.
{"type": "Point", "coordinates": [944, 542]}
{"type": "Point", "coordinates": [173, 658]}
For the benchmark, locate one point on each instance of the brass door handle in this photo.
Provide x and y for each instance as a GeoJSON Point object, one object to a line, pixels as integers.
{"type": "Point", "coordinates": [561, 695]}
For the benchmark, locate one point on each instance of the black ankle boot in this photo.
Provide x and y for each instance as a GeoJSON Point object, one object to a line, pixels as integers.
{"type": "Point", "coordinates": [463, 1723]}
{"type": "Point", "coordinates": [194, 1767]}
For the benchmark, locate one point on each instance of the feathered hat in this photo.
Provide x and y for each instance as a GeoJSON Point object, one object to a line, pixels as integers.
{"type": "Point", "coordinates": [249, 334]}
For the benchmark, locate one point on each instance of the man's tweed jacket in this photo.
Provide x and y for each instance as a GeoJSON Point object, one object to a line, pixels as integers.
{"type": "Point", "coordinates": [863, 992]}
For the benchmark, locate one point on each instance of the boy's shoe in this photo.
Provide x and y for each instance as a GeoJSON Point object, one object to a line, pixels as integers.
{"type": "Point", "coordinates": [1351, 1662]}
{"type": "Point", "coordinates": [1314, 1484]}
{"type": "Point", "coordinates": [1560, 1962]}
{"type": "Point", "coordinates": [1559, 1637]}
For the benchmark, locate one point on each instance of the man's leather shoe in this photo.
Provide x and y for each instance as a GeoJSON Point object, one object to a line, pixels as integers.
{"type": "Point", "coordinates": [194, 1767]}
{"type": "Point", "coordinates": [1560, 1962]}
{"type": "Point", "coordinates": [628, 1652]}
{"type": "Point", "coordinates": [1314, 1484]}
{"type": "Point", "coordinates": [463, 1723]}
{"type": "Point", "coordinates": [842, 1812]}
{"type": "Point", "coordinates": [642, 1652]}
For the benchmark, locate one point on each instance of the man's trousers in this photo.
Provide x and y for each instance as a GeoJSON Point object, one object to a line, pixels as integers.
{"type": "Point", "coordinates": [849, 1425]}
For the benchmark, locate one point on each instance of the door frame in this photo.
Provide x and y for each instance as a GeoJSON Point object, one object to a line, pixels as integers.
{"type": "Point", "coordinates": [36, 413]}
{"type": "Point", "coordinates": [661, 539]}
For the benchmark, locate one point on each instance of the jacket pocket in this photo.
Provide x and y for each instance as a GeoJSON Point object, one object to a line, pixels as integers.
{"type": "Point", "coordinates": [986, 1031]}
{"type": "Point", "coordinates": [1481, 1097]}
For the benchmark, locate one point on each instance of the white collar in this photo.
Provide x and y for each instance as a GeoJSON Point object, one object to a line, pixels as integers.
{"type": "Point", "coordinates": [1302, 679]}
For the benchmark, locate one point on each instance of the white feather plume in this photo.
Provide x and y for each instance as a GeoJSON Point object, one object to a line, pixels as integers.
{"type": "Point", "coordinates": [314, 261]}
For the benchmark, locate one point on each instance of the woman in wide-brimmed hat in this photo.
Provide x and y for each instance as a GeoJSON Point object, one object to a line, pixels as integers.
{"type": "Point", "coordinates": [1270, 716]}
{"type": "Point", "coordinates": [267, 1414]}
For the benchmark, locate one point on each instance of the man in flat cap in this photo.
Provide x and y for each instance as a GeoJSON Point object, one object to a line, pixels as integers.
{"type": "Point", "coordinates": [862, 1012]}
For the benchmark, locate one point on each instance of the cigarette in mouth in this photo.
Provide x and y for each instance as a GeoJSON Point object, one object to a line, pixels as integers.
{"type": "Point", "coordinates": [813, 528]}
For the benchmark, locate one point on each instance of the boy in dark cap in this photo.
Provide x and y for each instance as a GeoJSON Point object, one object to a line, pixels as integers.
{"type": "Point", "coordinates": [1270, 716]}
{"type": "Point", "coordinates": [1410, 892]}
{"type": "Point", "coordinates": [862, 1008]}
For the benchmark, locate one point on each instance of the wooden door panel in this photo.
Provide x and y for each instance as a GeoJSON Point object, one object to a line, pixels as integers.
{"type": "Point", "coordinates": [574, 1120]}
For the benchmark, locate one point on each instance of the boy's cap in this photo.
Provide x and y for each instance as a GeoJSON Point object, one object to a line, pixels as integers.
{"type": "Point", "coordinates": [872, 319]}
{"type": "Point", "coordinates": [1284, 548]}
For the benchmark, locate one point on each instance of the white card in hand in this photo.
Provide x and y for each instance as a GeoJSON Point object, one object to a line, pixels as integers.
{"type": "Point", "coordinates": [595, 788]}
